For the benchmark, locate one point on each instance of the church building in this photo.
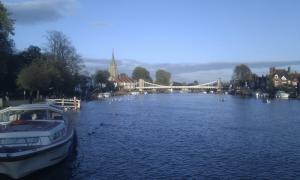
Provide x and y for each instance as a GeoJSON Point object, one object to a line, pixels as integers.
{"type": "Point", "coordinates": [113, 69]}
{"type": "Point", "coordinates": [122, 81]}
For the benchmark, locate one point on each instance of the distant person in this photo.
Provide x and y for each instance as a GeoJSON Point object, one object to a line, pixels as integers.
{"type": "Point", "coordinates": [30, 99]}
{"type": "Point", "coordinates": [7, 99]}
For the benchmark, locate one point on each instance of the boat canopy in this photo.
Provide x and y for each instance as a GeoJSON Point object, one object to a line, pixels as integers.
{"type": "Point", "coordinates": [31, 112]}
{"type": "Point", "coordinates": [28, 107]}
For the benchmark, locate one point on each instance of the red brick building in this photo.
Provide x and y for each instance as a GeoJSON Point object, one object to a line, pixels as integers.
{"type": "Point", "coordinates": [124, 82]}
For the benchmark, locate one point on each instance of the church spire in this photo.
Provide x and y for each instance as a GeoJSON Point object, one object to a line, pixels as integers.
{"type": "Point", "coordinates": [113, 55]}
{"type": "Point", "coordinates": [113, 71]}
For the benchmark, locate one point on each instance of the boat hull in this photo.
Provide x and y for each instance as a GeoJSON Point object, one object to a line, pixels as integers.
{"type": "Point", "coordinates": [21, 167]}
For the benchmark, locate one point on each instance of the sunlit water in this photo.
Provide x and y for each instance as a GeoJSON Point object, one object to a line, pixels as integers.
{"type": "Point", "coordinates": [184, 136]}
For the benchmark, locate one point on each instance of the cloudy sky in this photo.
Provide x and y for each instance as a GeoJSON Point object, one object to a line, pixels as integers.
{"type": "Point", "coordinates": [170, 33]}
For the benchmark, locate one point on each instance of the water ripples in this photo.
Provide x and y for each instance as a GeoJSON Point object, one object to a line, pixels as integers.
{"type": "Point", "coordinates": [184, 136]}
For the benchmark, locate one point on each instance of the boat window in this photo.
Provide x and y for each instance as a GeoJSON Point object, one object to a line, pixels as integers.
{"type": "Point", "coordinates": [27, 115]}
{"type": "Point", "coordinates": [55, 115]}
{"type": "Point", "coordinates": [4, 117]}
{"type": "Point", "coordinates": [9, 116]}
{"type": "Point", "coordinates": [33, 115]}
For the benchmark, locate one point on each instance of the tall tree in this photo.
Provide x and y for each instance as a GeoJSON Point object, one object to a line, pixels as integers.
{"type": "Point", "coordinates": [241, 74]}
{"type": "Point", "coordinates": [141, 73]}
{"type": "Point", "coordinates": [62, 81]}
{"type": "Point", "coordinates": [6, 30]}
{"type": "Point", "coordinates": [6, 47]}
{"type": "Point", "coordinates": [34, 77]}
{"type": "Point", "coordinates": [65, 60]}
{"type": "Point", "coordinates": [163, 77]}
{"type": "Point", "coordinates": [101, 77]}
{"type": "Point", "coordinates": [60, 48]}
{"type": "Point", "coordinates": [83, 81]}
{"type": "Point", "coordinates": [30, 54]}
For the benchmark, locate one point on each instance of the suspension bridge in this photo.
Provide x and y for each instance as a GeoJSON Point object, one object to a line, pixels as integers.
{"type": "Point", "coordinates": [144, 85]}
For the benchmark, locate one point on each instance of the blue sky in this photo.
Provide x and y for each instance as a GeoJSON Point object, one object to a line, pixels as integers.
{"type": "Point", "coordinates": [166, 31]}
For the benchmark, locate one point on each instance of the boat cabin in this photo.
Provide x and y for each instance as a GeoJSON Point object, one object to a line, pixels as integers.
{"type": "Point", "coordinates": [31, 112]}
{"type": "Point", "coordinates": [31, 125]}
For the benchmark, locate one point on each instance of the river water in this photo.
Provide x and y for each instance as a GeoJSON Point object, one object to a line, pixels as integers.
{"type": "Point", "coordinates": [183, 136]}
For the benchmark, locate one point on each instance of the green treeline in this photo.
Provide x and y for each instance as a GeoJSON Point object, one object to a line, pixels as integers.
{"type": "Point", "coordinates": [57, 70]}
{"type": "Point", "coordinates": [162, 77]}
{"type": "Point", "coordinates": [245, 82]}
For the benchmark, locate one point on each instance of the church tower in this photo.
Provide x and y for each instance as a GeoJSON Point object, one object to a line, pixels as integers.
{"type": "Point", "coordinates": [113, 71]}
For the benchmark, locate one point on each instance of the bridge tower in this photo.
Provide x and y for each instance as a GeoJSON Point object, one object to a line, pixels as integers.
{"type": "Point", "coordinates": [141, 84]}
{"type": "Point", "coordinates": [219, 85]}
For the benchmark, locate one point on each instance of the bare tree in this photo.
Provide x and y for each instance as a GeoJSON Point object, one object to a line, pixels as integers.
{"type": "Point", "coordinates": [59, 48]}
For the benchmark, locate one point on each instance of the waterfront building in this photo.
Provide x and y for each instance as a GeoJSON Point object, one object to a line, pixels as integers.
{"type": "Point", "coordinates": [294, 78]}
{"type": "Point", "coordinates": [124, 82]}
{"type": "Point", "coordinates": [282, 77]}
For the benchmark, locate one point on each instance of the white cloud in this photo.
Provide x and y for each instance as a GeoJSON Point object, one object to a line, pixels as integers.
{"type": "Point", "coordinates": [100, 24]}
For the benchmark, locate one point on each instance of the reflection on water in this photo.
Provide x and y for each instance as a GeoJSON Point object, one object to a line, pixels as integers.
{"type": "Point", "coordinates": [180, 136]}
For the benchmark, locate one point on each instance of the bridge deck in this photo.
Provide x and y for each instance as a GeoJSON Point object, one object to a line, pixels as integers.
{"type": "Point", "coordinates": [179, 87]}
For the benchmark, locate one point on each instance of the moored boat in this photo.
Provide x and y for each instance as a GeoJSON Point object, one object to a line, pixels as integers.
{"type": "Point", "coordinates": [282, 95]}
{"type": "Point", "coordinates": [135, 93]}
{"type": "Point", "coordinates": [107, 95]}
{"type": "Point", "coordinates": [33, 137]}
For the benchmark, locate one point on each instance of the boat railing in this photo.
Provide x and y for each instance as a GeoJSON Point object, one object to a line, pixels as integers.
{"type": "Point", "coordinates": [66, 103]}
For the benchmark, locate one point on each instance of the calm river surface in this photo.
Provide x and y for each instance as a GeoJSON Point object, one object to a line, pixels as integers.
{"type": "Point", "coordinates": [184, 136]}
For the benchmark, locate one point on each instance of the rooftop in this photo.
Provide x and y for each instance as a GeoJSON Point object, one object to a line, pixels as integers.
{"type": "Point", "coordinates": [123, 78]}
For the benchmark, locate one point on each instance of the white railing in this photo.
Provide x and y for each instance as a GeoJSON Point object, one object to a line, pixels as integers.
{"type": "Point", "coordinates": [66, 103]}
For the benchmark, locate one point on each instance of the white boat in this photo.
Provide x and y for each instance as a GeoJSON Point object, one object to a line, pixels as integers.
{"type": "Point", "coordinates": [135, 93]}
{"type": "Point", "coordinates": [185, 91]}
{"type": "Point", "coordinates": [104, 95]}
{"type": "Point", "coordinates": [33, 137]}
{"type": "Point", "coordinates": [100, 96]}
{"type": "Point", "coordinates": [107, 95]}
{"type": "Point", "coordinates": [282, 95]}
{"type": "Point", "coordinates": [257, 95]}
